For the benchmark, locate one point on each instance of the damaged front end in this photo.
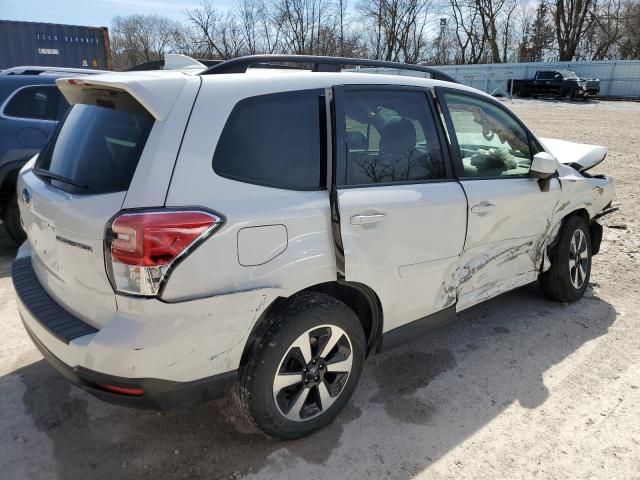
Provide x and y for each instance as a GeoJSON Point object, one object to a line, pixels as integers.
{"type": "Point", "coordinates": [582, 193]}
{"type": "Point", "coordinates": [579, 156]}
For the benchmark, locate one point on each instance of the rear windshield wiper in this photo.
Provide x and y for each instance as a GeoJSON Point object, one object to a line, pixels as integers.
{"type": "Point", "coordinates": [59, 178]}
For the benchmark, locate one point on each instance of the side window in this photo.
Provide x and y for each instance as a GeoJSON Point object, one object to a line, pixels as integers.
{"type": "Point", "coordinates": [492, 143]}
{"type": "Point", "coordinates": [274, 140]}
{"type": "Point", "coordinates": [37, 102]}
{"type": "Point", "coordinates": [391, 137]}
{"type": "Point", "coordinates": [546, 75]}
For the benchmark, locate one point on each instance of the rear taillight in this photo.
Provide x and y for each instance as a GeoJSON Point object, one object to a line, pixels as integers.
{"type": "Point", "coordinates": [143, 247]}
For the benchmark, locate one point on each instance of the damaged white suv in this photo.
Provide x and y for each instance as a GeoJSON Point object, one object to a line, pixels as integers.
{"type": "Point", "coordinates": [266, 229]}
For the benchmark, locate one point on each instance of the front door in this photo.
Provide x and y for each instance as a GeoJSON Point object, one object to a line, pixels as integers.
{"type": "Point", "coordinates": [509, 214]}
{"type": "Point", "coordinates": [402, 214]}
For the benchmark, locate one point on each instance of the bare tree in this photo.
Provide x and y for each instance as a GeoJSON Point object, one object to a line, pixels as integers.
{"type": "Point", "coordinates": [538, 35]}
{"type": "Point", "coordinates": [469, 33]}
{"type": "Point", "coordinates": [572, 20]}
{"type": "Point", "coordinates": [602, 39]}
{"type": "Point", "coordinates": [398, 28]}
{"type": "Point", "coordinates": [629, 43]}
{"type": "Point", "coordinates": [137, 39]}
{"type": "Point", "coordinates": [261, 34]}
{"type": "Point", "coordinates": [413, 31]}
{"type": "Point", "coordinates": [219, 33]}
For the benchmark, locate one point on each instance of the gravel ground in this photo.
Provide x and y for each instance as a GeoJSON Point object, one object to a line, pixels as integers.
{"type": "Point", "coordinates": [519, 387]}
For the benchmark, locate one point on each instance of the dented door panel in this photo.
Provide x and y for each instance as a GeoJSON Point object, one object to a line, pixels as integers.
{"type": "Point", "coordinates": [410, 258]}
{"type": "Point", "coordinates": [503, 245]}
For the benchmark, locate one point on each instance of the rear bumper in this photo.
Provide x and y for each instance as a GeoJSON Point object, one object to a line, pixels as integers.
{"type": "Point", "coordinates": [157, 394]}
{"type": "Point", "coordinates": [177, 353]}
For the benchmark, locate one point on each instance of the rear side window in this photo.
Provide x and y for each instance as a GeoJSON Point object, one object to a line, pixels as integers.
{"type": "Point", "coordinates": [98, 145]}
{"type": "Point", "coordinates": [38, 102]}
{"type": "Point", "coordinates": [391, 138]}
{"type": "Point", "coordinates": [274, 140]}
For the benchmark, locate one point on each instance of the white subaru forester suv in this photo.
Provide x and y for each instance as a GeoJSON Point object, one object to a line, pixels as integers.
{"type": "Point", "coordinates": [263, 230]}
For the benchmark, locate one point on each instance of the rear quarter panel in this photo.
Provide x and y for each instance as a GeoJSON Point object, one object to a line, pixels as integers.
{"type": "Point", "coordinates": [214, 267]}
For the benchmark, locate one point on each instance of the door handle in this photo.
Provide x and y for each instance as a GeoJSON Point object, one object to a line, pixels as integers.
{"type": "Point", "coordinates": [483, 207]}
{"type": "Point", "coordinates": [366, 219]}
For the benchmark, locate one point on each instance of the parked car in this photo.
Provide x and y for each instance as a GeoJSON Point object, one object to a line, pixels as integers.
{"type": "Point", "coordinates": [264, 231]}
{"type": "Point", "coordinates": [561, 83]}
{"type": "Point", "coordinates": [30, 107]}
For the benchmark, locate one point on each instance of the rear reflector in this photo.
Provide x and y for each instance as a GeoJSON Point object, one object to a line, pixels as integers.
{"type": "Point", "coordinates": [144, 246]}
{"type": "Point", "coordinates": [134, 392]}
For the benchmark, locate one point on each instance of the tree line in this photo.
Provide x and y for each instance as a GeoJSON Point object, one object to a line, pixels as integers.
{"type": "Point", "coordinates": [413, 31]}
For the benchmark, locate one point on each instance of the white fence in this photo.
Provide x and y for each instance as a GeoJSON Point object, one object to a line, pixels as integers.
{"type": "Point", "coordinates": [618, 78]}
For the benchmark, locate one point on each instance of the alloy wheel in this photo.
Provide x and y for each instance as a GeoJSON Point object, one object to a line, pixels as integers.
{"type": "Point", "coordinates": [578, 259]}
{"type": "Point", "coordinates": [313, 373]}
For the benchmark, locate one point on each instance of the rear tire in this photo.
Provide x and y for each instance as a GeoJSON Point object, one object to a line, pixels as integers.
{"type": "Point", "coordinates": [11, 220]}
{"type": "Point", "coordinates": [303, 370]}
{"type": "Point", "coordinates": [568, 277]}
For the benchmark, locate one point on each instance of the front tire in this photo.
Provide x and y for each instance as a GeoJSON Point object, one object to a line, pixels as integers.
{"type": "Point", "coordinates": [303, 370]}
{"type": "Point", "coordinates": [568, 277]}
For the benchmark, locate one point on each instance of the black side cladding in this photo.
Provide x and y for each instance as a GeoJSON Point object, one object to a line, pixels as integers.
{"type": "Point", "coordinates": [52, 316]}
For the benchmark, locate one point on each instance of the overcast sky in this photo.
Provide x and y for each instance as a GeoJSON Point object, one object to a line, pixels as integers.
{"type": "Point", "coordinates": [95, 13]}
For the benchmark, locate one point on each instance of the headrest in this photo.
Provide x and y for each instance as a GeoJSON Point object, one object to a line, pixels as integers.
{"type": "Point", "coordinates": [397, 136]}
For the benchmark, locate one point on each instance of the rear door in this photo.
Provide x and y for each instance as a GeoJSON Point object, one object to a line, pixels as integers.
{"type": "Point", "coordinates": [509, 214]}
{"type": "Point", "coordinates": [402, 215]}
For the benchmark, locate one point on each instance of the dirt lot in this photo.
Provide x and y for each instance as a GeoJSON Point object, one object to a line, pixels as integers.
{"type": "Point", "coordinates": [518, 388]}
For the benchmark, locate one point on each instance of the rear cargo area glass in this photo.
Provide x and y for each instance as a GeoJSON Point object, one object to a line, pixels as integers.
{"type": "Point", "coordinates": [98, 145]}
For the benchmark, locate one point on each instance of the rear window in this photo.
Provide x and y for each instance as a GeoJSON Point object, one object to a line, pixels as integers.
{"type": "Point", "coordinates": [97, 147]}
{"type": "Point", "coordinates": [274, 140]}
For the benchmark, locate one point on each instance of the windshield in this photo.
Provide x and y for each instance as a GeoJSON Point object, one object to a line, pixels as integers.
{"type": "Point", "coordinates": [98, 146]}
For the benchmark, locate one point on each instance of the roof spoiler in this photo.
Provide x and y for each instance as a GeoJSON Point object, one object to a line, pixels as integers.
{"type": "Point", "coordinates": [174, 61]}
{"type": "Point", "coordinates": [43, 70]}
{"type": "Point", "coordinates": [158, 100]}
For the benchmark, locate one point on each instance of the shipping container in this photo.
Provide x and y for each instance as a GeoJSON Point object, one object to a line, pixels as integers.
{"type": "Point", "coordinates": [53, 45]}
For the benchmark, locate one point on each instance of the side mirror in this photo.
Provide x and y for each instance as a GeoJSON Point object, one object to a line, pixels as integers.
{"type": "Point", "coordinates": [543, 165]}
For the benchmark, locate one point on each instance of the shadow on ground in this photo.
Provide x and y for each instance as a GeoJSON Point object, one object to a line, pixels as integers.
{"type": "Point", "coordinates": [440, 389]}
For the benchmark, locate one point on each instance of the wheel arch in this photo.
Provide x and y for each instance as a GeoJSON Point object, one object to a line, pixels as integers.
{"type": "Point", "coordinates": [357, 296]}
{"type": "Point", "coordinates": [581, 212]}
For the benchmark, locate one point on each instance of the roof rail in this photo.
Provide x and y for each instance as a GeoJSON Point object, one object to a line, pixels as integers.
{"type": "Point", "coordinates": [320, 64]}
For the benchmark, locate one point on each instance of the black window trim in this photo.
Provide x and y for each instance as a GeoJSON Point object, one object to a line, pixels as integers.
{"type": "Point", "coordinates": [322, 139]}
{"type": "Point", "coordinates": [454, 148]}
{"type": "Point", "coordinates": [340, 145]}
{"type": "Point", "coordinates": [29, 119]}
